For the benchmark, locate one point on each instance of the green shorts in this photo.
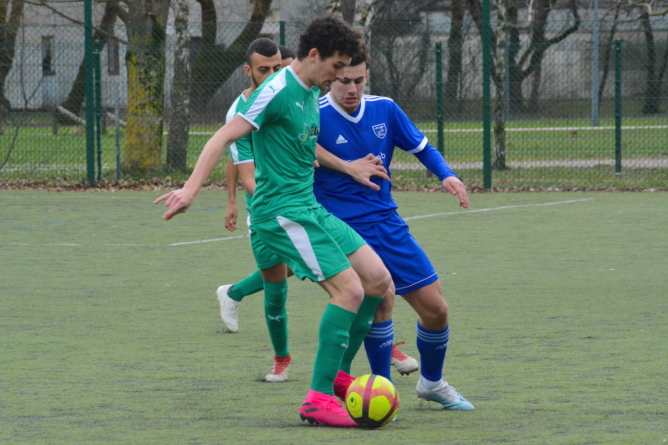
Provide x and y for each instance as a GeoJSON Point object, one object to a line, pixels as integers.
{"type": "Point", "coordinates": [313, 243]}
{"type": "Point", "coordinates": [264, 257]}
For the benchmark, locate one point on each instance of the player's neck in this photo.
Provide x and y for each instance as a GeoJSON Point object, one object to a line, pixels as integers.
{"type": "Point", "coordinates": [249, 91]}
{"type": "Point", "coordinates": [303, 70]}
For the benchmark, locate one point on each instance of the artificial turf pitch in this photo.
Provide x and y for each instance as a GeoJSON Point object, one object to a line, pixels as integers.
{"type": "Point", "coordinates": [110, 333]}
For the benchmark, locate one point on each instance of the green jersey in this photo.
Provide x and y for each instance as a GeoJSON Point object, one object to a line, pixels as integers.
{"type": "Point", "coordinates": [286, 114]}
{"type": "Point", "coordinates": [240, 151]}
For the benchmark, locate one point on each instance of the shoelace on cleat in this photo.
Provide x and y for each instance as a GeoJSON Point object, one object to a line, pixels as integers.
{"type": "Point", "coordinates": [397, 353]}
{"type": "Point", "coordinates": [279, 366]}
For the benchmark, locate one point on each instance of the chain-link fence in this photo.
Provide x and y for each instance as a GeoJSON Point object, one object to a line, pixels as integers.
{"type": "Point", "coordinates": [566, 112]}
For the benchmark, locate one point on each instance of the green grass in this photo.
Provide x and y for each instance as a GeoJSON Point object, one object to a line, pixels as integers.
{"type": "Point", "coordinates": [110, 335]}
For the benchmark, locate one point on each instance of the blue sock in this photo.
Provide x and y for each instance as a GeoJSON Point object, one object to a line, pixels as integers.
{"type": "Point", "coordinates": [378, 345]}
{"type": "Point", "coordinates": [432, 346]}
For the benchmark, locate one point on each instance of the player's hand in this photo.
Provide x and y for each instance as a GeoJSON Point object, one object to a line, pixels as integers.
{"type": "Point", "coordinates": [363, 169]}
{"type": "Point", "coordinates": [176, 201]}
{"type": "Point", "coordinates": [456, 187]}
{"type": "Point", "coordinates": [231, 217]}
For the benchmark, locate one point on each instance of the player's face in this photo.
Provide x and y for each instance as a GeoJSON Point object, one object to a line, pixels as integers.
{"type": "Point", "coordinates": [287, 61]}
{"type": "Point", "coordinates": [348, 89]}
{"type": "Point", "coordinates": [262, 67]}
{"type": "Point", "coordinates": [327, 70]}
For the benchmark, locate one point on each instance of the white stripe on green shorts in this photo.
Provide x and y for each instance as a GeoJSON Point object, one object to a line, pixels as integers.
{"type": "Point", "coordinates": [299, 238]}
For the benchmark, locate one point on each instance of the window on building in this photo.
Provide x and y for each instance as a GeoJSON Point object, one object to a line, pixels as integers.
{"type": "Point", "coordinates": [113, 67]}
{"type": "Point", "coordinates": [48, 67]}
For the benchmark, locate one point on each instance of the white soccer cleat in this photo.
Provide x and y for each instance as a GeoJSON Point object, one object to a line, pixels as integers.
{"type": "Point", "coordinates": [444, 394]}
{"type": "Point", "coordinates": [403, 363]}
{"type": "Point", "coordinates": [229, 309]}
{"type": "Point", "coordinates": [281, 369]}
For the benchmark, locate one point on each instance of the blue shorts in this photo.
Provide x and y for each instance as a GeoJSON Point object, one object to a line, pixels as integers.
{"type": "Point", "coordinates": [404, 258]}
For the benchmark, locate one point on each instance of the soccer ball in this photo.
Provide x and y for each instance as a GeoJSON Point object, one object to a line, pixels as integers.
{"type": "Point", "coordinates": [372, 401]}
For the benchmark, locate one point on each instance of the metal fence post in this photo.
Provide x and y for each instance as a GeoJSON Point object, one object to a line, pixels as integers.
{"type": "Point", "coordinates": [486, 97]}
{"type": "Point", "coordinates": [281, 33]}
{"type": "Point", "coordinates": [90, 124]}
{"type": "Point", "coordinates": [618, 108]}
{"type": "Point", "coordinates": [439, 96]}
{"type": "Point", "coordinates": [98, 106]}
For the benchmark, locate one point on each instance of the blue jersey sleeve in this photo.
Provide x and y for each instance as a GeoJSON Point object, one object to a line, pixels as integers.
{"type": "Point", "coordinates": [405, 134]}
{"type": "Point", "coordinates": [435, 163]}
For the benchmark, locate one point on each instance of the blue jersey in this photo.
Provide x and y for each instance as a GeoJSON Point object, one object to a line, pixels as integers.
{"type": "Point", "coordinates": [377, 127]}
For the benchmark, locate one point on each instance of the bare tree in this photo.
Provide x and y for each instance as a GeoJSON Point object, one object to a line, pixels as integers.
{"type": "Point", "coordinates": [10, 20]}
{"type": "Point", "coordinates": [608, 50]}
{"type": "Point", "coordinates": [401, 45]}
{"type": "Point", "coordinates": [213, 64]}
{"type": "Point", "coordinates": [145, 22]}
{"type": "Point", "coordinates": [103, 33]}
{"type": "Point", "coordinates": [453, 102]}
{"type": "Point", "coordinates": [343, 9]}
{"type": "Point", "coordinates": [508, 28]}
{"type": "Point", "coordinates": [179, 122]}
{"type": "Point", "coordinates": [539, 44]}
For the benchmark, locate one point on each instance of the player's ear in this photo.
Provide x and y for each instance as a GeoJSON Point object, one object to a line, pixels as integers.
{"type": "Point", "coordinates": [314, 55]}
{"type": "Point", "coordinates": [247, 69]}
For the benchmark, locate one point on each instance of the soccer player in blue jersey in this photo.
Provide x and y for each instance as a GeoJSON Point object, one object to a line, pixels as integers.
{"type": "Point", "coordinates": [355, 124]}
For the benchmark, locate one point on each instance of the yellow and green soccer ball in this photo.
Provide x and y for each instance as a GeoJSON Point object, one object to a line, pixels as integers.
{"type": "Point", "coordinates": [372, 401]}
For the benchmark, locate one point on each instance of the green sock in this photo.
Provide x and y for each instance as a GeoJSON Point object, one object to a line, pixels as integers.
{"type": "Point", "coordinates": [251, 284]}
{"type": "Point", "coordinates": [360, 327]}
{"type": "Point", "coordinates": [275, 296]}
{"type": "Point", "coordinates": [332, 335]}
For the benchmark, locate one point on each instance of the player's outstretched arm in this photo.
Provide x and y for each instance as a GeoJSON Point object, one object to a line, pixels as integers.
{"type": "Point", "coordinates": [232, 212]}
{"type": "Point", "coordinates": [456, 187]}
{"type": "Point", "coordinates": [178, 201]}
{"type": "Point", "coordinates": [361, 170]}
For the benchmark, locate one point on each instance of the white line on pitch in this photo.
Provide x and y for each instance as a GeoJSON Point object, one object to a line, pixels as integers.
{"type": "Point", "coordinates": [497, 208]}
{"type": "Point", "coordinates": [209, 240]}
{"type": "Point", "coordinates": [246, 236]}
{"type": "Point", "coordinates": [412, 217]}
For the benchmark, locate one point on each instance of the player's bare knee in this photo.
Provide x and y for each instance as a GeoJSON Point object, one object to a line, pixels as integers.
{"type": "Point", "coordinates": [379, 283]}
{"type": "Point", "coordinates": [435, 318]}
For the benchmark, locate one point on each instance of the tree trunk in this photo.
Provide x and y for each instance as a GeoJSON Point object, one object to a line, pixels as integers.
{"type": "Point", "coordinates": [453, 103]}
{"type": "Point", "coordinates": [214, 64]}
{"type": "Point", "coordinates": [77, 95]}
{"type": "Point", "coordinates": [652, 87]}
{"type": "Point", "coordinates": [145, 60]}
{"type": "Point", "coordinates": [179, 123]}
{"type": "Point", "coordinates": [499, 78]}
{"type": "Point", "coordinates": [608, 51]}
{"type": "Point", "coordinates": [516, 96]}
{"type": "Point", "coordinates": [540, 44]}
{"type": "Point", "coordinates": [348, 10]}
{"type": "Point", "coordinates": [9, 26]}
{"type": "Point", "coordinates": [662, 72]}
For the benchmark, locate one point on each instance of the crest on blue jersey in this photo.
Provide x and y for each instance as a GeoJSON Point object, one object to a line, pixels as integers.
{"type": "Point", "coordinates": [380, 130]}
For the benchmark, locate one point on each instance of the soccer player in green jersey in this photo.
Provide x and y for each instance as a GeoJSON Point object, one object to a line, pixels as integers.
{"type": "Point", "coordinates": [284, 113]}
{"type": "Point", "coordinates": [263, 58]}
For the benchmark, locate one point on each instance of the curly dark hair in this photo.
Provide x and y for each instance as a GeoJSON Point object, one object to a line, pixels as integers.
{"type": "Point", "coordinates": [361, 56]}
{"type": "Point", "coordinates": [286, 53]}
{"type": "Point", "coordinates": [263, 47]}
{"type": "Point", "coordinates": [328, 35]}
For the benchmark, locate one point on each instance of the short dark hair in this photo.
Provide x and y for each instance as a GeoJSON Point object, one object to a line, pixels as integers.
{"type": "Point", "coordinates": [362, 56]}
{"type": "Point", "coordinates": [328, 35]}
{"type": "Point", "coordinates": [286, 52]}
{"type": "Point", "coordinates": [263, 47]}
